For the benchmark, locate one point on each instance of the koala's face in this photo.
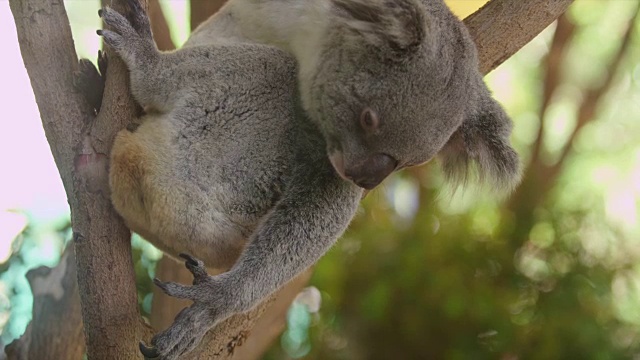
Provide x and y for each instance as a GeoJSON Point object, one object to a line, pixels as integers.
{"type": "Point", "coordinates": [378, 116]}
{"type": "Point", "coordinates": [380, 93]}
{"type": "Point", "coordinates": [394, 84]}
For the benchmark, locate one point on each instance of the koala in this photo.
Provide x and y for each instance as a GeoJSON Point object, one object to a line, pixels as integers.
{"type": "Point", "coordinates": [263, 131]}
{"type": "Point", "coordinates": [409, 66]}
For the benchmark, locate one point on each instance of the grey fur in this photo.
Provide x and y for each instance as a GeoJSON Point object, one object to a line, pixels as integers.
{"type": "Point", "coordinates": [232, 159]}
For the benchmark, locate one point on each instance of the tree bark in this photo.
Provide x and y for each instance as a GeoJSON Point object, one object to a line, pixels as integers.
{"type": "Point", "coordinates": [56, 310]}
{"type": "Point", "coordinates": [81, 143]}
{"type": "Point", "coordinates": [502, 27]}
{"type": "Point", "coordinates": [271, 324]}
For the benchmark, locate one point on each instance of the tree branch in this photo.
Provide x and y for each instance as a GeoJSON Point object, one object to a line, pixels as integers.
{"type": "Point", "coordinates": [502, 27]}
{"type": "Point", "coordinates": [56, 310]}
{"type": "Point", "coordinates": [273, 321]}
{"type": "Point", "coordinates": [80, 147]}
{"type": "Point", "coordinates": [49, 55]}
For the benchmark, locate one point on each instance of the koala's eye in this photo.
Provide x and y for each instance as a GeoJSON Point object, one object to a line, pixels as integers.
{"type": "Point", "coordinates": [369, 120]}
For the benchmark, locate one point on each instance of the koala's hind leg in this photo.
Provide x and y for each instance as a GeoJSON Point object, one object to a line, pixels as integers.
{"type": "Point", "coordinates": [133, 41]}
{"type": "Point", "coordinates": [127, 169]}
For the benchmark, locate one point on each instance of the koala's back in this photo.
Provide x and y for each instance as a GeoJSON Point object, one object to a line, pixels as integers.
{"type": "Point", "coordinates": [233, 141]}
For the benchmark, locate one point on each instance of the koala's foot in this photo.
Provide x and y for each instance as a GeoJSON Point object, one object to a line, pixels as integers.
{"type": "Point", "coordinates": [210, 305]}
{"type": "Point", "coordinates": [90, 81]}
{"type": "Point", "coordinates": [130, 38]}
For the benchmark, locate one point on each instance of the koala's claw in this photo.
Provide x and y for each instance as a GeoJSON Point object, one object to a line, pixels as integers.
{"type": "Point", "coordinates": [148, 352]}
{"type": "Point", "coordinates": [174, 289]}
{"type": "Point", "coordinates": [127, 36]}
{"type": "Point", "coordinates": [103, 62]}
{"type": "Point", "coordinates": [121, 28]}
{"type": "Point", "coordinates": [192, 323]}
{"type": "Point", "coordinates": [196, 267]}
{"type": "Point", "coordinates": [190, 259]}
{"type": "Point", "coordinates": [200, 276]}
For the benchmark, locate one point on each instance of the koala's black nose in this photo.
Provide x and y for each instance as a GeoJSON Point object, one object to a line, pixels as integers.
{"type": "Point", "coordinates": [372, 171]}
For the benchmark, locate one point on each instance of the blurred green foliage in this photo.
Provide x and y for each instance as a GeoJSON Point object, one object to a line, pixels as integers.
{"type": "Point", "coordinates": [39, 244]}
{"type": "Point", "coordinates": [427, 271]}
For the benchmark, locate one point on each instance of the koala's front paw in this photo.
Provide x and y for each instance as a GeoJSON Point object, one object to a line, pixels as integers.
{"type": "Point", "coordinates": [192, 323]}
{"type": "Point", "coordinates": [129, 38]}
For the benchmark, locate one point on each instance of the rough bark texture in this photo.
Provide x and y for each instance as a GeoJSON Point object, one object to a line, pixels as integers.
{"type": "Point", "coordinates": [81, 144]}
{"type": "Point", "coordinates": [56, 310]}
{"type": "Point", "coordinates": [502, 27]}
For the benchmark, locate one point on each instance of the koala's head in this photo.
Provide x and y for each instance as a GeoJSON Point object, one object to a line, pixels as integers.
{"type": "Point", "coordinates": [395, 84]}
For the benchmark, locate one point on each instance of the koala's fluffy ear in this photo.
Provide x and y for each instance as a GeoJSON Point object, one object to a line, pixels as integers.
{"type": "Point", "coordinates": [399, 26]}
{"type": "Point", "coordinates": [482, 141]}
